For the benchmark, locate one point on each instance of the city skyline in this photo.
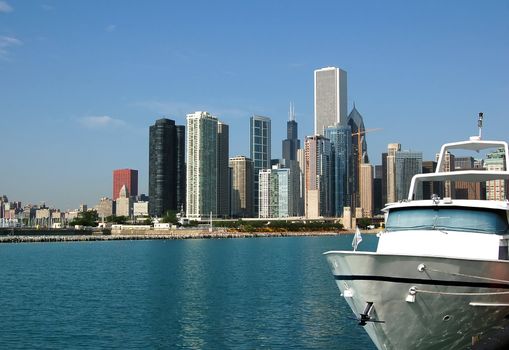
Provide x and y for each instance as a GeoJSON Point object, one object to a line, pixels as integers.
{"type": "Point", "coordinates": [78, 93]}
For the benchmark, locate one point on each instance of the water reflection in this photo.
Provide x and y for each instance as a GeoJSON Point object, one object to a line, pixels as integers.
{"type": "Point", "coordinates": [272, 293]}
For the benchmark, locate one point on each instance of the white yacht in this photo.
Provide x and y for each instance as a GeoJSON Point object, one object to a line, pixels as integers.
{"type": "Point", "coordinates": [439, 278]}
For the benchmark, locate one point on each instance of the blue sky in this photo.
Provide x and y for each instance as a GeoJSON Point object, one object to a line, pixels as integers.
{"type": "Point", "coordinates": [81, 81]}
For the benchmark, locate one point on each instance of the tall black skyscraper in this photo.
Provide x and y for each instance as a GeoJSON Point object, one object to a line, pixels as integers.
{"type": "Point", "coordinates": [166, 167]}
{"type": "Point", "coordinates": [223, 180]}
{"type": "Point", "coordinates": [181, 166]}
{"type": "Point", "coordinates": [292, 142]}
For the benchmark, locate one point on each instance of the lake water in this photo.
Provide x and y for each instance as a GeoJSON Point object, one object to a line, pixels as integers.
{"type": "Point", "coordinates": [254, 293]}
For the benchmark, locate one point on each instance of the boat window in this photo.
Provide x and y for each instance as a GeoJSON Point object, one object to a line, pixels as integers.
{"type": "Point", "coordinates": [451, 218]}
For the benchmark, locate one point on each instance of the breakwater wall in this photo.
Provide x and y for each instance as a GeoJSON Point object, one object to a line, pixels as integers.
{"type": "Point", "coordinates": [116, 235]}
{"type": "Point", "coordinates": [31, 231]}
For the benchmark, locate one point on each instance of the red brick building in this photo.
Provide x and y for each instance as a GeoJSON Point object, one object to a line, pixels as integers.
{"type": "Point", "coordinates": [127, 177]}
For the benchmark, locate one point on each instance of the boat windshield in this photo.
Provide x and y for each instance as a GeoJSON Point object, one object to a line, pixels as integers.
{"type": "Point", "coordinates": [448, 219]}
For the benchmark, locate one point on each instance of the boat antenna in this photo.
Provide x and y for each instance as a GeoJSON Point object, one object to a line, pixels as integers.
{"type": "Point", "coordinates": [479, 124]}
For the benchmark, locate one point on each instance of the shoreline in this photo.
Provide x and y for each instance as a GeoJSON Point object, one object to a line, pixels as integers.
{"type": "Point", "coordinates": [120, 235]}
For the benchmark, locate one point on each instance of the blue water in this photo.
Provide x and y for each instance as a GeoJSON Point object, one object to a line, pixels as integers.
{"type": "Point", "coordinates": [256, 293]}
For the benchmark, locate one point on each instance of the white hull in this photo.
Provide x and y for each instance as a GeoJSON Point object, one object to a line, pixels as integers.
{"type": "Point", "coordinates": [450, 307]}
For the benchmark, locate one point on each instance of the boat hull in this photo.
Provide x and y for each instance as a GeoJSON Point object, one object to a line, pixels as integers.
{"type": "Point", "coordinates": [453, 302]}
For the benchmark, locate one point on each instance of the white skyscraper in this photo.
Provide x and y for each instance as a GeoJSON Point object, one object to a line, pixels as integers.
{"type": "Point", "coordinates": [276, 193]}
{"type": "Point", "coordinates": [201, 159]}
{"type": "Point", "coordinates": [331, 99]}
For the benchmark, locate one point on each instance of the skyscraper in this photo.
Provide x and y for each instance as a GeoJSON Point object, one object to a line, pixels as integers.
{"type": "Point", "coordinates": [340, 137]}
{"type": "Point", "coordinates": [330, 98]}
{"type": "Point", "coordinates": [292, 143]}
{"type": "Point", "coordinates": [223, 181]}
{"type": "Point", "coordinates": [201, 159]}
{"type": "Point", "coordinates": [467, 189]}
{"type": "Point", "coordinates": [359, 153]}
{"type": "Point", "coordinates": [366, 195]}
{"type": "Point", "coordinates": [384, 179]}
{"type": "Point", "coordinates": [264, 193]}
{"type": "Point", "coordinates": [127, 177]}
{"type": "Point", "coordinates": [301, 162]}
{"type": "Point", "coordinates": [181, 166]}
{"type": "Point", "coordinates": [448, 164]}
{"type": "Point", "coordinates": [391, 171]}
{"type": "Point", "coordinates": [318, 176]}
{"type": "Point", "coordinates": [105, 207]}
{"type": "Point", "coordinates": [276, 197]}
{"type": "Point", "coordinates": [259, 142]}
{"type": "Point", "coordinates": [377, 190]}
{"type": "Point", "coordinates": [242, 187]}
{"type": "Point", "coordinates": [124, 203]}
{"type": "Point", "coordinates": [166, 167]}
{"type": "Point", "coordinates": [429, 188]}
{"type": "Point", "coordinates": [407, 164]}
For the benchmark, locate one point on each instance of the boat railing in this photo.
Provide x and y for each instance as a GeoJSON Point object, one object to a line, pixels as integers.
{"type": "Point", "coordinates": [472, 175]}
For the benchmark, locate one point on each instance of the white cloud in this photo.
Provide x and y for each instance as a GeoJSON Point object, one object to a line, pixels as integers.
{"type": "Point", "coordinates": [5, 7]}
{"type": "Point", "coordinates": [5, 43]}
{"type": "Point", "coordinates": [111, 28]}
{"type": "Point", "coordinates": [47, 7]}
{"type": "Point", "coordinates": [101, 122]}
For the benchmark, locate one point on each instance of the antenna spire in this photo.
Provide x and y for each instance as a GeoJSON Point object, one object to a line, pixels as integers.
{"type": "Point", "coordinates": [291, 113]}
{"type": "Point", "coordinates": [479, 123]}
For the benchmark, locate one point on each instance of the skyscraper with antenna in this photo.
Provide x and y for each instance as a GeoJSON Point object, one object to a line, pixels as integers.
{"type": "Point", "coordinates": [292, 143]}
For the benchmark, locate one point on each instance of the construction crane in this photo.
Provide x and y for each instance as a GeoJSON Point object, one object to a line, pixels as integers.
{"type": "Point", "coordinates": [359, 158]}
{"type": "Point", "coordinates": [359, 143]}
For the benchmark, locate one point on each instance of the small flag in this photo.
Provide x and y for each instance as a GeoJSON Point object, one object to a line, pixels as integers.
{"type": "Point", "coordinates": [357, 239]}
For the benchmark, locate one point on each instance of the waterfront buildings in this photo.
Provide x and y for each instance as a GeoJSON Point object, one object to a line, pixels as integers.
{"type": "Point", "coordinates": [448, 165]}
{"type": "Point", "coordinates": [202, 165]}
{"type": "Point", "coordinates": [223, 174]}
{"type": "Point", "coordinates": [180, 167]}
{"type": "Point", "coordinates": [292, 143]}
{"type": "Point", "coordinates": [106, 207]}
{"type": "Point", "coordinates": [290, 148]}
{"type": "Point", "coordinates": [3, 202]}
{"type": "Point", "coordinates": [166, 167]}
{"type": "Point", "coordinates": [359, 153]}
{"type": "Point", "coordinates": [264, 193]}
{"type": "Point", "coordinates": [140, 209]}
{"type": "Point", "coordinates": [429, 188]}
{"type": "Point", "coordinates": [463, 163]}
{"type": "Point", "coordinates": [366, 194]}
{"type": "Point", "coordinates": [259, 144]}
{"type": "Point", "coordinates": [43, 216]}
{"type": "Point", "coordinates": [242, 186]}
{"type": "Point", "coordinates": [407, 164]}
{"type": "Point", "coordinates": [340, 137]}
{"type": "Point", "coordinates": [124, 203]}
{"type": "Point", "coordinates": [496, 189]}
{"type": "Point", "coordinates": [384, 179]}
{"type": "Point", "coordinates": [330, 98]}
{"type": "Point", "coordinates": [276, 193]}
{"type": "Point", "coordinates": [377, 190]}
{"type": "Point", "coordinates": [318, 176]}
{"type": "Point", "coordinates": [127, 177]}
{"type": "Point", "coordinates": [392, 149]}
{"type": "Point", "coordinates": [301, 192]}
{"type": "Point", "coordinates": [466, 189]}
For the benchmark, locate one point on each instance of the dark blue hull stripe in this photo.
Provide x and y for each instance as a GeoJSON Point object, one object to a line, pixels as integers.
{"type": "Point", "coordinates": [421, 281]}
